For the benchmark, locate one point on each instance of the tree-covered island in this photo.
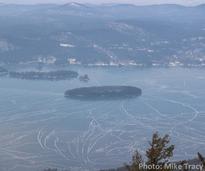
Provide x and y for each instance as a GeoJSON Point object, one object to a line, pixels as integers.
{"type": "Point", "coordinates": [104, 93]}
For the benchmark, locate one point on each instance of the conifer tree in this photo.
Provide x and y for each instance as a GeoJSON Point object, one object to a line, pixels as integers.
{"type": "Point", "coordinates": [160, 151]}
{"type": "Point", "coordinates": [202, 160]}
{"type": "Point", "coordinates": [158, 154]}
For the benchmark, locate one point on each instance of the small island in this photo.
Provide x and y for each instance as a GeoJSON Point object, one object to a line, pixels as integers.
{"type": "Point", "coordinates": [104, 93]}
{"type": "Point", "coordinates": [3, 71]}
{"type": "Point", "coordinates": [84, 78]}
{"type": "Point", "coordinates": [40, 75]}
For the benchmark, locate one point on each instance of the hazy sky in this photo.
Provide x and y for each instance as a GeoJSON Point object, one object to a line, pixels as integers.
{"type": "Point", "coordinates": [138, 2]}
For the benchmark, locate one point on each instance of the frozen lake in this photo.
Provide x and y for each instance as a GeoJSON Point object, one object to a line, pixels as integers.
{"type": "Point", "coordinates": [40, 128]}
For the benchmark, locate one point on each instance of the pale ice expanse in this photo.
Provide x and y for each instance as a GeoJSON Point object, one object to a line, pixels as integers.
{"type": "Point", "coordinates": [39, 128]}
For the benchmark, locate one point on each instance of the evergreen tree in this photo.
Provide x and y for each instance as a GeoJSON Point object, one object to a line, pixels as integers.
{"type": "Point", "coordinates": [160, 151]}
{"type": "Point", "coordinates": [158, 154]}
{"type": "Point", "coordinates": [202, 160]}
{"type": "Point", "coordinates": [136, 162]}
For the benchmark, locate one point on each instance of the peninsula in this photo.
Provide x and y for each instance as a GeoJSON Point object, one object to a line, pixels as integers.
{"type": "Point", "coordinates": [40, 75]}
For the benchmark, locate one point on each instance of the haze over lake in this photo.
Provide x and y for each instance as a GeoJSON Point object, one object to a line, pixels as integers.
{"type": "Point", "coordinates": [41, 128]}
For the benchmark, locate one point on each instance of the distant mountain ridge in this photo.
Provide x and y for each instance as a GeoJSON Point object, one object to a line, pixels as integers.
{"type": "Point", "coordinates": [103, 35]}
